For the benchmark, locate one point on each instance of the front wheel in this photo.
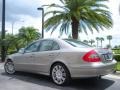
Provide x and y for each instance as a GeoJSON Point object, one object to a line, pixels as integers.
{"type": "Point", "coordinates": [60, 74]}
{"type": "Point", "coordinates": [9, 67]}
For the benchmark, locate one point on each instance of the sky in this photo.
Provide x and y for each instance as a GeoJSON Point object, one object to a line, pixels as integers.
{"type": "Point", "coordinates": [24, 13]}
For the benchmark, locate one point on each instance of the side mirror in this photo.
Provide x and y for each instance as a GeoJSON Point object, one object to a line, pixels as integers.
{"type": "Point", "coordinates": [21, 50]}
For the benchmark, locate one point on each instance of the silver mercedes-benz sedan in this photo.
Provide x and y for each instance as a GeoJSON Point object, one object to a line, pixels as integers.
{"type": "Point", "coordinates": [62, 60]}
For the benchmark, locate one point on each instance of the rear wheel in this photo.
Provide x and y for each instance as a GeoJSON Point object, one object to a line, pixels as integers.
{"type": "Point", "coordinates": [60, 74]}
{"type": "Point", "coordinates": [9, 67]}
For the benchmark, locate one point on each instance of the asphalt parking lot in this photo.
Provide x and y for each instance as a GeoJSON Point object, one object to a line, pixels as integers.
{"type": "Point", "coordinates": [28, 81]}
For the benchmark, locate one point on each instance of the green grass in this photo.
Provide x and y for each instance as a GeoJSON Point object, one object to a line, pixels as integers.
{"type": "Point", "coordinates": [117, 66]}
{"type": "Point", "coordinates": [116, 51]}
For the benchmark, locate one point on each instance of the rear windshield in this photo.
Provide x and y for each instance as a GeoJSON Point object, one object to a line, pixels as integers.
{"type": "Point", "coordinates": [76, 43]}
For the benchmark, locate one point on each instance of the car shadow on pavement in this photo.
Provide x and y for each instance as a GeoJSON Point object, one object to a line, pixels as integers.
{"type": "Point", "coordinates": [78, 84]}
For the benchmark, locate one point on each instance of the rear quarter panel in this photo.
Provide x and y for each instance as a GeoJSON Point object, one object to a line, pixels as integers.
{"type": "Point", "coordinates": [73, 57]}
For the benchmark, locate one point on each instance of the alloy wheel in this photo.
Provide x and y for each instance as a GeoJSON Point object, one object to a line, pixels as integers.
{"type": "Point", "coordinates": [9, 67]}
{"type": "Point", "coordinates": [59, 74]}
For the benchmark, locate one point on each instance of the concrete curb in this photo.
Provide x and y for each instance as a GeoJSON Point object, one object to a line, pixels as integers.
{"type": "Point", "coordinates": [117, 73]}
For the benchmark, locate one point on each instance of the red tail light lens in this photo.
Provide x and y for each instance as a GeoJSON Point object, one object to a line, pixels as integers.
{"type": "Point", "coordinates": [91, 56]}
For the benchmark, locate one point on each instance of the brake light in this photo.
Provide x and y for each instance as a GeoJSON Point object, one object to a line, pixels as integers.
{"type": "Point", "coordinates": [91, 56]}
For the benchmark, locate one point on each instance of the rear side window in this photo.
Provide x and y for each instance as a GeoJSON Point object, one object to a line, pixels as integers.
{"type": "Point", "coordinates": [76, 43]}
{"type": "Point", "coordinates": [55, 46]}
{"type": "Point", "coordinates": [48, 45]}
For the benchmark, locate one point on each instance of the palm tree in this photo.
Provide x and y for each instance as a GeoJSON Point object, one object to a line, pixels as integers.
{"type": "Point", "coordinates": [14, 42]}
{"type": "Point", "coordinates": [80, 15]}
{"type": "Point", "coordinates": [101, 39]}
{"type": "Point", "coordinates": [28, 34]}
{"type": "Point", "coordinates": [97, 39]}
{"type": "Point", "coordinates": [109, 37]}
{"type": "Point", "coordinates": [91, 42]}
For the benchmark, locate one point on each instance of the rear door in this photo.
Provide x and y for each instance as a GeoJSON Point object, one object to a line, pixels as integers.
{"type": "Point", "coordinates": [48, 51]}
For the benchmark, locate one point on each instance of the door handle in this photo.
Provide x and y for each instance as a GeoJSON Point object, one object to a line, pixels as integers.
{"type": "Point", "coordinates": [51, 54]}
{"type": "Point", "coordinates": [32, 55]}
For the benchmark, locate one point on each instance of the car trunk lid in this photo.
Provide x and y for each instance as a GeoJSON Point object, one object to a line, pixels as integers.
{"type": "Point", "coordinates": [105, 54]}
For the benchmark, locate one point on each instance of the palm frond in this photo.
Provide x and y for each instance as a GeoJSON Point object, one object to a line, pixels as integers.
{"type": "Point", "coordinates": [56, 6]}
{"type": "Point", "coordinates": [91, 14]}
{"type": "Point", "coordinates": [100, 6]}
{"type": "Point", "coordinates": [53, 12]}
{"type": "Point", "coordinates": [62, 1]}
{"type": "Point", "coordinates": [65, 27]}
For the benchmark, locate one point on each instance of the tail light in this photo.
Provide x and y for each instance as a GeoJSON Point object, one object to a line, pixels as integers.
{"type": "Point", "coordinates": [91, 56]}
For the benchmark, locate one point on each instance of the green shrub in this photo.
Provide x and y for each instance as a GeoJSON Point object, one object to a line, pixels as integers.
{"type": "Point", "coordinates": [117, 67]}
{"type": "Point", "coordinates": [117, 58]}
{"type": "Point", "coordinates": [11, 52]}
{"type": "Point", "coordinates": [116, 51]}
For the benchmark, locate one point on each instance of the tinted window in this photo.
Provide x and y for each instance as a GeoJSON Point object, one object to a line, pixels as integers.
{"type": "Point", "coordinates": [76, 43]}
{"type": "Point", "coordinates": [32, 47]}
{"type": "Point", "coordinates": [48, 45]}
{"type": "Point", "coordinates": [55, 46]}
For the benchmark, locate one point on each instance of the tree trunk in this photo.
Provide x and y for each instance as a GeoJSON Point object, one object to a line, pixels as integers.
{"type": "Point", "coordinates": [17, 48]}
{"type": "Point", "coordinates": [75, 25]}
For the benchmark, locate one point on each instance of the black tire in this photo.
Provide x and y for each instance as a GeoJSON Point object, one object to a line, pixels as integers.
{"type": "Point", "coordinates": [97, 78]}
{"type": "Point", "coordinates": [9, 67]}
{"type": "Point", "coordinates": [60, 77]}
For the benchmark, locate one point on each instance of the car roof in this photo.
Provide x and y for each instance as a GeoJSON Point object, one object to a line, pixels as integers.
{"type": "Point", "coordinates": [78, 41]}
{"type": "Point", "coordinates": [61, 42]}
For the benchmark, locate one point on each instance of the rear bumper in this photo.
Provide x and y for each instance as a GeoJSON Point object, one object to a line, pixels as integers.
{"type": "Point", "coordinates": [93, 70]}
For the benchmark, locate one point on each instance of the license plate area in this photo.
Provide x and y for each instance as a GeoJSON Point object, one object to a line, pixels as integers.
{"type": "Point", "coordinates": [108, 56]}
